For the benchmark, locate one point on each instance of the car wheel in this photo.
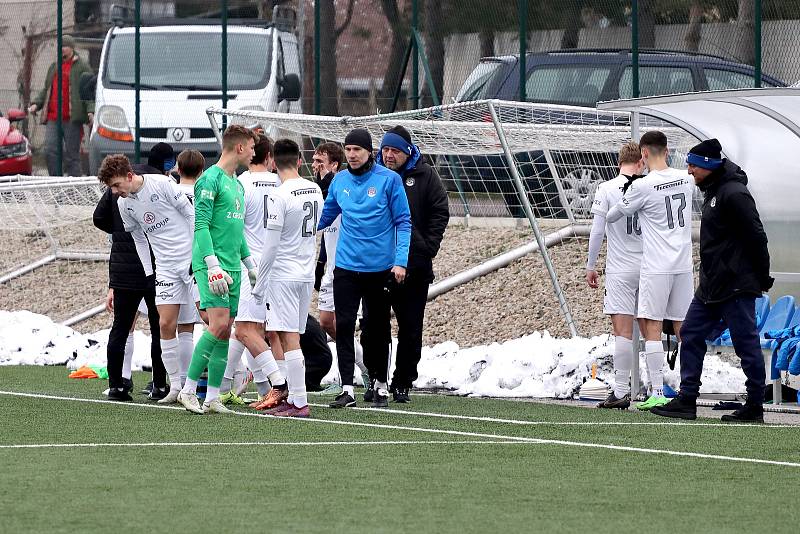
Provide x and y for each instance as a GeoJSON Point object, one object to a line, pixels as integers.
{"type": "Point", "coordinates": [579, 187]}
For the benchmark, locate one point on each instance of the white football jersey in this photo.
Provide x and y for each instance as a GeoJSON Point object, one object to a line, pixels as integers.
{"type": "Point", "coordinates": [294, 208]}
{"type": "Point", "coordinates": [331, 238]}
{"type": "Point", "coordinates": [162, 211]}
{"type": "Point", "coordinates": [257, 188]}
{"type": "Point", "coordinates": [188, 190]}
{"type": "Point", "coordinates": [624, 237]}
{"type": "Point", "coordinates": [663, 200]}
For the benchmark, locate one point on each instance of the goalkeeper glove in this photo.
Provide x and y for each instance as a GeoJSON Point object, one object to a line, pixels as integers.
{"type": "Point", "coordinates": [252, 270]}
{"type": "Point", "coordinates": [218, 280]}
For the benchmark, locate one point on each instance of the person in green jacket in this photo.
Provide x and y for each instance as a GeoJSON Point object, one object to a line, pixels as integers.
{"type": "Point", "coordinates": [75, 112]}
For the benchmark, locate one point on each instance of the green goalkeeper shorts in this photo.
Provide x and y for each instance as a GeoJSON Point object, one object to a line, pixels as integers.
{"type": "Point", "coordinates": [210, 300]}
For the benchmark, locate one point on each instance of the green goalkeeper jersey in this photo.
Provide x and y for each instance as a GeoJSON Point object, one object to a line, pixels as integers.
{"type": "Point", "coordinates": [218, 220]}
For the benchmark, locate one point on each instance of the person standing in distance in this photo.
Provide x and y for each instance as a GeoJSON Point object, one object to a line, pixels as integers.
{"type": "Point", "coordinates": [373, 246]}
{"type": "Point", "coordinates": [734, 271]}
{"type": "Point", "coordinates": [430, 214]}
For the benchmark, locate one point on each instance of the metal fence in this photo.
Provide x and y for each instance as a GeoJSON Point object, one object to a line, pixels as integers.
{"type": "Point", "coordinates": [362, 57]}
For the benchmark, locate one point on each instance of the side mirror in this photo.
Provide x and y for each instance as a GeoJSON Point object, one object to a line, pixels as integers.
{"type": "Point", "coordinates": [86, 86]}
{"type": "Point", "coordinates": [15, 115]}
{"type": "Point", "coordinates": [290, 88]}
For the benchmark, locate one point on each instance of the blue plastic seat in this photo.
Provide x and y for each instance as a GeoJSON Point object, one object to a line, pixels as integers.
{"type": "Point", "coordinates": [776, 318]}
{"type": "Point", "coordinates": [762, 310]}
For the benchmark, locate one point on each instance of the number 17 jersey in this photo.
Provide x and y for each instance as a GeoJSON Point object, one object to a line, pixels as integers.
{"type": "Point", "coordinates": [294, 209]}
{"type": "Point", "coordinates": [663, 201]}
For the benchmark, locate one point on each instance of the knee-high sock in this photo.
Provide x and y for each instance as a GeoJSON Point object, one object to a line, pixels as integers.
{"type": "Point", "coordinates": [654, 352]}
{"type": "Point", "coordinates": [216, 369]}
{"type": "Point", "coordinates": [296, 377]}
{"type": "Point", "coordinates": [128, 358]}
{"type": "Point", "coordinates": [359, 356]}
{"type": "Point", "coordinates": [172, 363]}
{"type": "Point", "coordinates": [282, 366]}
{"type": "Point", "coordinates": [266, 362]}
{"type": "Point", "coordinates": [185, 348]}
{"type": "Point", "coordinates": [235, 350]}
{"type": "Point", "coordinates": [623, 363]}
{"type": "Point", "coordinates": [200, 359]}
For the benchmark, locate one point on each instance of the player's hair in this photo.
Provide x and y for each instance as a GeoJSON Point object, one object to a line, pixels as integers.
{"type": "Point", "coordinates": [191, 163]}
{"type": "Point", "coordinates": [286, 153]}
{"type": "Point", "coordinates": [263, 150]}
{"type": "Point", "coordinates": [113, 166]}
{"type": "Point", "coordinates": [630, 153]}
{"type": "Point", "coordinates": [235, 134]}
{"type": "Point", "coordinates": [333, 150]}
{"type": "Point", "coordinates": [654, 141]}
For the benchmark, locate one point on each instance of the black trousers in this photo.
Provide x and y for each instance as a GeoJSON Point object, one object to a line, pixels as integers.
{"type": "Point", "coordinates": [740, 316]}
{"type": "Point", "coordinates": [126, 303]}
{"type": "Point", "coordinates": [408, 301]}
{"type": "Point", "coordinates": [349, 289]}
{"type": "Point", "coordinates": [317, 354]}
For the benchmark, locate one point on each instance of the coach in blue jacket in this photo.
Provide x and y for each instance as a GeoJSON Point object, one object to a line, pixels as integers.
{"type": "Point", "coordinates": [372, 253]}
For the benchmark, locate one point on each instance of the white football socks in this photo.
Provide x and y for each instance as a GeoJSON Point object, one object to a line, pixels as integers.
{"type": "Point", "coordinates": [267, 364]}
{"type": "Point", "coordinates": [127, 360]}
{"type": "Point", "coordinates": [359, 354]}
{"type": "Point", "coordinates": [623, 363]}
{"type": "Point", "coordinates": [235, 350]}
{"type": "Point", "coordinates": [185, 349]}
{"type": "Point", "coordinates": [349, 390]}
{"type": "Point", "coordinates": [296, 377]}
{"type": "Point", "coordinates": [169, 355]}
{"type": "Point", "coordinates": [212, 394]}
{"type": "Point", "coordinates": [654, 354]}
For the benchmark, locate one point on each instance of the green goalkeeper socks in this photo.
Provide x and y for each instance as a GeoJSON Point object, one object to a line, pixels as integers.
{"type": "Point", "coordinates": [202, 355]}
{"type": "Point", "coordinates": [217, 363]}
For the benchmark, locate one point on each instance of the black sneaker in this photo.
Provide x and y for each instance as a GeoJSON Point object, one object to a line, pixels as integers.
{"type": "Point", "coordinates": [343, 400]}
{"type": "Point", "coordinates": [680, 407]}
{"type": "Point", "coordinates": [127, 384]}
{"type": "Point", "coordinates": [158, 393]}
{"type": "Point", "coordinates": [119, 394]}
{"type": "Point", "coordinates": [401, 395]}
{"type": "Point", "coordinates": [381, 398]}
{"type": "Point", "coordinates": [148, 388]}
{"type": "Point", "coordinates": [613, 402]}
{"type": "Point", "coordinates": [369, 394]}
{"type": "Point", "coordinates": [749, 413]}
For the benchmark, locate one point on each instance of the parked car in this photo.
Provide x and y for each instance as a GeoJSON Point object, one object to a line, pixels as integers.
{"type": "Point", "coordinates": [15, 150]}
{"type": "Point", "coordinates": [181, 76]}
{"type": "Point", "coordinates": [580, 78]}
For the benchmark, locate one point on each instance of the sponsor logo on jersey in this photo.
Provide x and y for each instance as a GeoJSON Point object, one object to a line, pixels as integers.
{"type": "Point", "coordinates": [371, 192]}
{"type": "Point", "coordinates": [235, 215]}
{"type": "Point", "coordinates": [713, 202]}
{"type": "Point", "coordinates": [331, 230]}
{"type": "Point", "coordinates": [237, 205]}
{"type": "Point", "coordinates": [153, 198]}
{"type": "Point", "coordinates": [410, 182]}
{"type": "Point", "coordinates": [306, 191]}
{"type": "Point", "coordinates": [149, 218]}
{"type": "Point", "coordinates": [265, 184]}
{"type": "Point", "coordinates": [346, 192]}
{"type": "Point", "coordinates": [162, 283]}
{"type": "Point", "coordinates": [668, 185]}
{"type": "Point", "coordinates": [164, 295]}
{"type": "Point", "coordinates": [156, 226]}
{"type": "Point", "coordinates": [205, 193]}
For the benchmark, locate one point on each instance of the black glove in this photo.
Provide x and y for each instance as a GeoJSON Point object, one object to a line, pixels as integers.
{"type": "Point", "coordinates": [318, 273]}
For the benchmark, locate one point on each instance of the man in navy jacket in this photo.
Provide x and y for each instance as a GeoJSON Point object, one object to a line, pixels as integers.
{"type": "Point", "coordinates": [372, 253]}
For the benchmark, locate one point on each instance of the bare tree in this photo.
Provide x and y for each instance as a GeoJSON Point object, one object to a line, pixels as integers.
{"type": "Point", "coordinates": [399, 25]}
{"type": "Point", "coordinates": [693, 32]}
{"type": "Point", "coordinates": [434, 50]}
{"type": "Point", "coordinates": [745, 49]}
{"type": "Point", "coordinates": [647, 24]}
{"type": "Point", "coordinates": [329, 36]}
{"type": "Point", "coordinates": [487, 43]}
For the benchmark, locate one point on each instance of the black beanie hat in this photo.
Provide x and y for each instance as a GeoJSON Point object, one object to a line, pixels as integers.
{"type": "Point", "coordinates": [359, 137]}
{"type": "Point", "coordinates": [162, 157]}
{"type": "Point", "coordinates": [707, 155]}
{"type": "Point", "coordinates": [402, 132]}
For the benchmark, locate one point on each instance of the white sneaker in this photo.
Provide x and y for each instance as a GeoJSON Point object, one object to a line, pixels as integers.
{"type": "Point", "coordinates": [215, 406]}
{"type": "Point", "coordinates": [171, 398]}
{"type": "Point", "coordinates": [190, 402]}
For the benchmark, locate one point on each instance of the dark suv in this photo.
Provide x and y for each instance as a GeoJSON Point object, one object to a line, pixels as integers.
{"type": "Point", "coordinates": [581, 78]}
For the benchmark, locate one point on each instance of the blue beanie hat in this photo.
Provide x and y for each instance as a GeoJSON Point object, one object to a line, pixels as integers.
{"type": "Point", "coordinates": [399, 138]}
{"type": "Point", "coordinates": [706, 155]}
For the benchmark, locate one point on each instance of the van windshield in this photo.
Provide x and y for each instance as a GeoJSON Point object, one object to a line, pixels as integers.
{"type": "Point", "coordinates": [477, 85]}
{"type": "Point", "coordinates": [189, 61]}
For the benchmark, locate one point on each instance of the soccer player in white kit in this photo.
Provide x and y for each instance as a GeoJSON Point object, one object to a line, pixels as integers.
{"type": "Point", "coordinates": [663, 202]}
{"type": "Point", "coordinates": [156, 210]}
{"type": "Point", "coordinates": [623, 261]}
{"type": "Point", "coordinates": [286, 272]}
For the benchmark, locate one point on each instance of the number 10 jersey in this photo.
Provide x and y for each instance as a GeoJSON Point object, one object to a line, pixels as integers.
{"type": "Point", "coordinates": [624, 237]}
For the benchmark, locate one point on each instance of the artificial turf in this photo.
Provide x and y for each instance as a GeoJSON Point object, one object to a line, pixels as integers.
{"type": "Point", "coordinates": [347, 485]}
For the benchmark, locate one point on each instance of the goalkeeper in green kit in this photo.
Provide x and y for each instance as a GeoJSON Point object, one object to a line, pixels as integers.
{"type": "Point", "coordinates": [218, 252]}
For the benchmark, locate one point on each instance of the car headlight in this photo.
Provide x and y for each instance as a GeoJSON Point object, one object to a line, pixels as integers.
{"type": "Point", "coordinates": [112, 124]}
{"type": "Point", "coordinates": [14, 151]}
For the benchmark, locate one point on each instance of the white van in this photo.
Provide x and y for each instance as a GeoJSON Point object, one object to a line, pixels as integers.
{"type": "Point", "coordinates": [181, 77]}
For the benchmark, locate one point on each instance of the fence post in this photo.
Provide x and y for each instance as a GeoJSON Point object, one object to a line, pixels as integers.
{"type": "Point", "coordinates": [635, 48]}
{"type": "Point", "coordinates": [59, 89]}
{"type": "Point", "coordinates": [757, 37]}
{"type": "Point", "coordinates": [523, 48]}
{"type": "Point", "coordinates": [523, 195]}
{"type": "Point", "coordinates": [137, 80]}
{"type": "Point", "coordinates": [317, 52]}
{"type": "Point", "coordinates": [225, 60]}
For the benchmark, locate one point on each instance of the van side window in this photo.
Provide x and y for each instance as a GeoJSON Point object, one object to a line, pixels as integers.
{"type": "Point", "coordinates": [476, 87]}
{"type": "Point", "coordinates": [720, 80]}
{"type": "Point", "coordinates": [654, 81]}
{"type": "Point", "coordinates": [578, 85]}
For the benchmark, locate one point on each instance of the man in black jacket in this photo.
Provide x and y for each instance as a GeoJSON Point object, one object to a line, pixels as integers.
{"type": "Point", "coordinates": [734, 271]}
{"type": "Point", "coordinates": [127, 287]}
{"type": "Point", "coordinates": [430, 213]}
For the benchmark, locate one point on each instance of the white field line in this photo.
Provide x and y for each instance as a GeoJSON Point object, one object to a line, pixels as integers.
{"type": "Point", "coordinates": [250, 444]}
{"type": "Point", "coordinates": [517, 439]}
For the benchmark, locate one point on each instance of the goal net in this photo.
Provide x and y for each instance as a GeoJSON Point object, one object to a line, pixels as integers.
{"type": "Point", "coordinates": [517, 174]}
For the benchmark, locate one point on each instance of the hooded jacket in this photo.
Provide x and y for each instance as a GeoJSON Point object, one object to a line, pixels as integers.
{"type": "Point", "coordinates": [125, 271]}
{"type": "Point", "coordinates": [734, 259]}
{"type": "Point", "coordinates": [78, 109]}
{"type": "Point", "coordinates": [430, 213]}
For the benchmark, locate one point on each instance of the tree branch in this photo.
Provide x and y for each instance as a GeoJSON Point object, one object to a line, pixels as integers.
{"type": "Point", "coordinates": [347, 19]}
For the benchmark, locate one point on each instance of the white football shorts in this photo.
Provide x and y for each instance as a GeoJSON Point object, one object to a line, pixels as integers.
{"type": "Point", "coordinates": [249, 311]}
{"type": "Point", "coordinates": [176, 287]}
{"type": "Point", "coordinates": [620, 294]}
{"type": "Point", "coordinates": [287, 305]}
{"type": "Point", "coordinates": [665, 296]}
{"type": "Point", "coordinates": [325, 296]}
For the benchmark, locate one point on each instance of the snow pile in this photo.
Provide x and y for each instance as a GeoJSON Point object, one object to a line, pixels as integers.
{"type": "Point", "coordinates": [536, 365]}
